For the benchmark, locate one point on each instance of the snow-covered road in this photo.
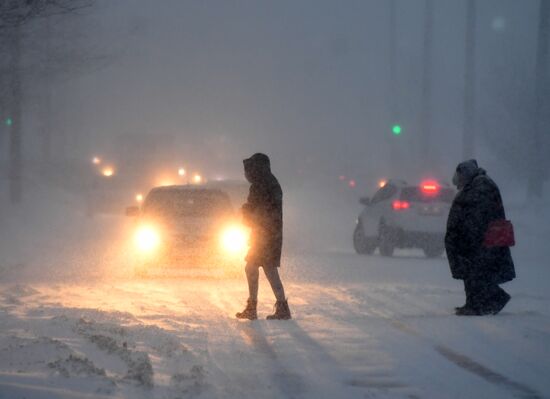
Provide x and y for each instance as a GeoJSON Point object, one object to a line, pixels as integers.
{"type": "Point", "coordinates": [72, 326]}
{"type": "Point", "coordinates": [367, 338]}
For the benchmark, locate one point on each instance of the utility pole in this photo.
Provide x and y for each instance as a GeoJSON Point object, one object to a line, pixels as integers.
{"type": "Point", "coordinates": [536, 172]}
{"type": "Point", "coordinates": [14, 120]}
{"type": "Point", "coordinates": [468, 135]}
{"type": "Point", "coordinates": [47, 99]}
{"type": "Point", "coordinates": [426, 115]}
{"type": "Point", "coordinates": [4, 131]}
{"type": "Point", "coordinates": [392, 103]}
{"type": "Point", "coordinates": [393, 48]}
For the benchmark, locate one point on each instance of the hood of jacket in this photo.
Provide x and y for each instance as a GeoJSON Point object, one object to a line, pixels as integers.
{"type": "Point", "coordinates": [466, 172]}
{"type": "Point", "coordinates": [257, 167]}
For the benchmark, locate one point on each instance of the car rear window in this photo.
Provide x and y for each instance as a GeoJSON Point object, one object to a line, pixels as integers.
{"type": "Point", "coordinates": [187, 203]}
{"type": "Point", "coordinates": [415, 194]}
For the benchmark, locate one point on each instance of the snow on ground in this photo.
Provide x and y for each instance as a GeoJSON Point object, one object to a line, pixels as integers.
{"type": "Point", "coordinates": [75, 323]}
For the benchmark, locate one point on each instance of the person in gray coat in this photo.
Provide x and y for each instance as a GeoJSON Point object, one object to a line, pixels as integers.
{"type": "Point", "coordinates": [263, 213]}
{"type": "Point", "coordinates": [483, 268]}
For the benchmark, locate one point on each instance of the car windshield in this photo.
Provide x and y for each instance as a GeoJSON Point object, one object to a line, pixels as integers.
{"type": "Point", "coordinates": [181, 203]}
{"type": "Point", "coordinates": [415, 194]}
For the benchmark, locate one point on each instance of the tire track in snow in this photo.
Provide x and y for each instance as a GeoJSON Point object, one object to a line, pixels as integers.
{"type": "Point", "coordinates": [289, 383]}
{"type": "Point", "coordinates": [517, 389]}
{"type": "Point", "coordinates": [320, 365]}
{"type": "Point", "coordinates": [520, 390]}
{"type": "Point", "coordinates": [263, 372]}
{"type": "Point", "coordinates": [374, 377]}
{"type": "Point", "coordinates": [304, 368]}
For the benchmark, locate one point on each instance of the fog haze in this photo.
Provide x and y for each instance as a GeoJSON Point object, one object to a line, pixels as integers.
{"type": "Point", "coordinates": [125, 248]}
{"type": "Point", "coordinates": [306, 82]}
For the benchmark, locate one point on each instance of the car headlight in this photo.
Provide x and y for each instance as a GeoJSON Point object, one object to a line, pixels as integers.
{"type": "Point", "coordinates": [147, 239]}
{"type": "Point", "coordinates": [234, 239]}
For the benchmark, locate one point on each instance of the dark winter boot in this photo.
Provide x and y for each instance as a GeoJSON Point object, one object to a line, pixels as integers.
{"type": "Point", "coordinates": [282, 311]}
{"type": "Point", "coordinates": [460, 308]}
{"type": "Point", "coordinates": [467, 311]}
{"type": "Point", "coordinates": [249, 312]}
{"type": "Point", "coordinates": [504, 298]}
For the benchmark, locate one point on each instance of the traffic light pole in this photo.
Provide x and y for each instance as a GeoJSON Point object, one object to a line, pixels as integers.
{"type": "Point", "coordinates": [426, 115]}
{"type": "Point", "coordinates": [393, 49]}
{"type": "Point", "coordinates": [393, 108]}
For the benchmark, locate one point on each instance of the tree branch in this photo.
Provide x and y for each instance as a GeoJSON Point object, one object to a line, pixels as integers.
{"type": "Point", "coordinates": [15, 13]}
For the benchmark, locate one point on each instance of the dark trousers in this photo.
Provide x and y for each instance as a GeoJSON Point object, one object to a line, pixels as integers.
{"type": "Point", "coordinates": [483, 294]}
{"type": "Point", "coordinates": [272, 274]}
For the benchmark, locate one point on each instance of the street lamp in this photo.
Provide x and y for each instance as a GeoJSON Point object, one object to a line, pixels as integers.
{"type": "Point", "coordinates": [181, 172]}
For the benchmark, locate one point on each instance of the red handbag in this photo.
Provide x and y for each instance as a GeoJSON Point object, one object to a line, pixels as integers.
{"type": "Point", "coordinates": [500, 233]}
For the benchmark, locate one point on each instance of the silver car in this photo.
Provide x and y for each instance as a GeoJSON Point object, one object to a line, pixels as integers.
{"type": "Point", "coordinates": [400, 215]}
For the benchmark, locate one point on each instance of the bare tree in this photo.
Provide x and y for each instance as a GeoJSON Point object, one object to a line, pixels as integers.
{"type": "Point", "coordinates": [18, 12]}
{"type": "Point", "coordinates": [14, 14]}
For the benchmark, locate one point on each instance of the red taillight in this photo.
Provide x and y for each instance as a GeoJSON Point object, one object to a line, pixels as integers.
{"type": "Point", "coordinates": [400, 205]}
{"type": "Point", "coordinates": [430, 187]}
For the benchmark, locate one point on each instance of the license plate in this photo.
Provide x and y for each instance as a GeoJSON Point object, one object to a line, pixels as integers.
{"type": "Point", "coordinates": [431, 211]}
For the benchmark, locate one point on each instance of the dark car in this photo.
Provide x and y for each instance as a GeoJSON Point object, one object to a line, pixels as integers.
{"type": "Point", "coordinates": [188, 226]}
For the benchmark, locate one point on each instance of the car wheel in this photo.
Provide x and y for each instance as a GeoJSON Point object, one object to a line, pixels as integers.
{"type": "Point", "coordinates": [433, 251]}
{"type": "Point", "coordinates": [362, 244]}
{"type": "Point", "coordinates": [386, 239]}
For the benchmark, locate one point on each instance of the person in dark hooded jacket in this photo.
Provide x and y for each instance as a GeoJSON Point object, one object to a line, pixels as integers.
{"type": "Point", "coordinates": [263, 213]}
{"type": "Point", "coordinates": [476, 205]}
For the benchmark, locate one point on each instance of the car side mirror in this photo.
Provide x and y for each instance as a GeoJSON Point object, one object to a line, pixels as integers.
{"type": "Point", "coordinates": [364, 201]}
{"type": "Point", "coordinates": [132, 211]}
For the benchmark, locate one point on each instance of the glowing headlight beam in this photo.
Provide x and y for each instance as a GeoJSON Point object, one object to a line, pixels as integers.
{"type": "Point", "coordinates": [234, 239]}
{"type": "Point", "coordinates": [165, 183]}
{"type": "Point", "coordinates": [147, 239]}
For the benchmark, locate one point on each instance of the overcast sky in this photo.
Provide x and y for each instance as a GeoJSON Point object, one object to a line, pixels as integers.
{"type": "Point", "coordinates": [305, 81]}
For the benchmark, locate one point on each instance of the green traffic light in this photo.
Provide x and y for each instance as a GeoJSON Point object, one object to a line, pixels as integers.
{"type": "Point", "coordinates": [9, 121]}
{"type": "Point", "coordinates": [396, 129]}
